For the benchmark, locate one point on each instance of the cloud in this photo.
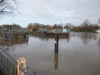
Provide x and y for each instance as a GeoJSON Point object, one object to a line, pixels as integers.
{"type": "Point", "coordinates": [52, 11]}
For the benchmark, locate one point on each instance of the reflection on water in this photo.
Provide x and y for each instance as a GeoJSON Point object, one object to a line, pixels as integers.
{"type": "Point", "coordinates": [55, 60]}
{"type": "Point", "coordinates": [46, 38]}
{"type": "Point", "coordinates": [85, 37]}
{"type": "Point", "coordinates": [11, 45]}
{"type": "Point", "coordinates": [78, 54]}
{"type": "Point", "coordinates": [99, 41]}
{"type": "Point", "coordinates": [13, 42]}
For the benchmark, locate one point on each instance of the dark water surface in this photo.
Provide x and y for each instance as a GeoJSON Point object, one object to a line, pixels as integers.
{"type": "Point", "coordinates": [78, 55]}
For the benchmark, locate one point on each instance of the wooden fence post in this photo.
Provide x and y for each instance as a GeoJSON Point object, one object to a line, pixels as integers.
{"type": "Point", "coordinates": [21, 63]}
{"type": "Point", "coordinates": [56, 43]}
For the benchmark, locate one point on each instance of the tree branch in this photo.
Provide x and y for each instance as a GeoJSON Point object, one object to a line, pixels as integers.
{"type": "Point", "coordinates": [6, 8]}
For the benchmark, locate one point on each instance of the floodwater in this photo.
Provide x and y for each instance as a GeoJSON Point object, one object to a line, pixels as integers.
{"type": "Point", "coordinates": [78, 55]}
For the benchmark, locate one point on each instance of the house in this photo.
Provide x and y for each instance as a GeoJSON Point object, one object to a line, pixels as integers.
{"type": "Point", "coordinates": [42, 29]}
{"type": "Point", "coordinates": [13, 28]}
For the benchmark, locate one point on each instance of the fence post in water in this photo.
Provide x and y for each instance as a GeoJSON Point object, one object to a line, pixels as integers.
{"type": "Point", "coordinates": [56, 43]}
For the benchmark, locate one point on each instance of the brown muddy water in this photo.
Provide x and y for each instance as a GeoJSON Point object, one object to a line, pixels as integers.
{"type": "Point", "coordinates": [78, 55]}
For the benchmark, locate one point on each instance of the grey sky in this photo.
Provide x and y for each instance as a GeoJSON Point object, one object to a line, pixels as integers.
{"type": "Point", "coordinates": [52, 11]}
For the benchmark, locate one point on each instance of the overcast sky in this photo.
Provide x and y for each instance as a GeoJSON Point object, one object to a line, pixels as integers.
{"type": "Point", "coordinates": [54, 11]}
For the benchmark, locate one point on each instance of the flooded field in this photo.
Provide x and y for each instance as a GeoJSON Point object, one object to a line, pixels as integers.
{"type": "Point", "coordinates": [78, 55]}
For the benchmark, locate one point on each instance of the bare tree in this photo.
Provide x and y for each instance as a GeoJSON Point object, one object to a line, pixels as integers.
{"type": "Point", "coordinates": [86, 22]}
{"type": "Point", "coordinates": [99, 21]}
{"type": "Point", "coordinates": [7, 7]}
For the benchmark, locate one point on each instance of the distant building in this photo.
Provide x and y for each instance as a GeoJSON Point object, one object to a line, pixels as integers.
{"type": "Point", "coordinates": [13, 28]}
{"type": "Point", "coordinates": [56, 30]}
{"type": "Point", "coordinates": [42, 29]}
{"type": "Point", "coordinates": [71, 27]}
{"type": "Point", "coordinates": [19, 30]}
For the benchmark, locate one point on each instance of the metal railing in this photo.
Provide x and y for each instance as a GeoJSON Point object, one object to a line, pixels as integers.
{"type": "Point", "coordinates": [8, 62]}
